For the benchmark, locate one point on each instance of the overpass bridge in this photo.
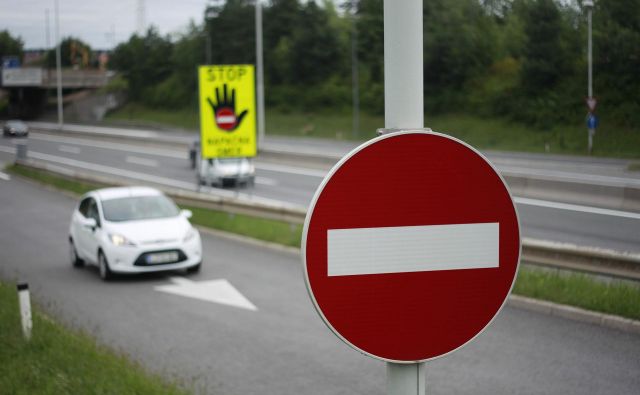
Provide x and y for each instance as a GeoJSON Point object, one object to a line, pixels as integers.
{"type": "Point", "coordinates": [32, 77]}
{"type": "Point", "coordinates": [28, 86]}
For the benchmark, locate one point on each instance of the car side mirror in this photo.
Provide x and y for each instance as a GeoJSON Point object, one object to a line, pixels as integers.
{"type": "Point", "coordinates": [90, 223]}
{"type": "Point", "coordinates": [186, 213]}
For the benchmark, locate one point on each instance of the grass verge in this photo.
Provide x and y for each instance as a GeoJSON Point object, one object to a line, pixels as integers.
{"type": "Point", "coordinates": [578, 290]}
{"type": "Point", "coordinates": [59, 361]}
{"type": "Point", "coordinates": [480, 132]}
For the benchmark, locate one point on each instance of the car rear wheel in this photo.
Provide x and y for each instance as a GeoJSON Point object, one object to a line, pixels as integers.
{"type": "Point", "coordinates": [103, 266]}
{"type": "Point", "coordinates": [73, 255]}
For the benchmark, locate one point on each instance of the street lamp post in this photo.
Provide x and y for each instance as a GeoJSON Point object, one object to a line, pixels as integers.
{"type": "Point", "coordinates": [58, 67]}
{"type": "Point", "coordinates": [591, 118]}
{"type": "Point", "coordinates": [209, 14]}
{"type": "Point", "coordinates": [259, 75]}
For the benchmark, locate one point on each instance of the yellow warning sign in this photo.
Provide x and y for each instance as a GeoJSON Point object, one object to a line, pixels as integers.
{"type": "Point", "coordinates": [227, 111]}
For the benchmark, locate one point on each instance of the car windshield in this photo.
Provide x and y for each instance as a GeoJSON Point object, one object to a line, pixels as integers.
{"type": "Point", "coordinates": [15, 124]}
{"type": "Point", "coordinates": [138, 208]}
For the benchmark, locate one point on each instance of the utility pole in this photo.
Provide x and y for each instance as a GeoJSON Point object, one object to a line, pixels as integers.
{"type": "Point", "coordinates": [592, 120]}
{"type": "Point", "coordinates": [260, 75]}
{"type": "Point", "coordinates": [59, 67]}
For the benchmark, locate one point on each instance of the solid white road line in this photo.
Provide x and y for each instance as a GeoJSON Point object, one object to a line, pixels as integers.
{"type": "Point", "coordinates": [112, 146]}
{"type": "Point", "coordinates": [5, 177]}
{"type": "Point", "coordinates": [291, 170]}
{"type": "Point", "coordinates": [266, 181]}
{"type": "Point", "coordinates": [141, 161]}
{"type": "Point", "coordinates": [69, 149]}
{"type": "Point", "coordinates": [169, 153]}
{"type": "Point", "coordinates": [576, 207]}
{"type": "Point", "coordinates": [424, 248]}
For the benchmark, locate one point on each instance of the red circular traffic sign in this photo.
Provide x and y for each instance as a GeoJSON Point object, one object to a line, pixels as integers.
{"type": "Point", "coordinates": [410, 246]}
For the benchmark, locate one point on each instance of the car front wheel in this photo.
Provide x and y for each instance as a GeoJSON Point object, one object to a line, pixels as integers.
{"type": "Point", "coordinates": [103, 267]}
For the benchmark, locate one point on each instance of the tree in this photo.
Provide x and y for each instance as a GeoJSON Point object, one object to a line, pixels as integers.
{"type": "Point", "coordinates": [315, 50]}
{"type": "Point", "coordinates": [9, 45]}
{"type": "Point", "coordinates": [143, 62]}
{"type": "Point", "coordinates": [73, 53]}
{"type": "Point", "coordinates": [546, 60]}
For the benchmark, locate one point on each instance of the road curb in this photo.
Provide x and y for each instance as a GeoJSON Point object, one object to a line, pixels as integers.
{"type": "Point", "coordinates": [575, 314]}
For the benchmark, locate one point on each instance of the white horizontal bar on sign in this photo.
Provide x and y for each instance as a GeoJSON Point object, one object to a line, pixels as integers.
{"type": "Point", "coordinates": [412, 249]}
{"type": "Point", "coordinates": [226, 119]}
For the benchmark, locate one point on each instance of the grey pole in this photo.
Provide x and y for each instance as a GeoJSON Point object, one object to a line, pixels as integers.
{"type": "Point", "coordinates": [46, 24]}
{"type": "Point", "coordinates": [58, 68]}
{"type": "Point", "coordinates": [259, 75]}
{"type": "Point", "coordinates": [354, 72]}
{"type": "Point", "coordinates": [590, 132]}
{"type": "Point", "coordinates": [403, 108]}
{"type": "Point", "coordinates": [589, 51]}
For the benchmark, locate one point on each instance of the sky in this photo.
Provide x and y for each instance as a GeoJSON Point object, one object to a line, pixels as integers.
{"type": "Point", "coordinates": [100, 23]}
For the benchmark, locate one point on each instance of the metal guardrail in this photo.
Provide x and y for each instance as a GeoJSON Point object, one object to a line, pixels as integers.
{"type": "Point", "coordinates": [538, 252]}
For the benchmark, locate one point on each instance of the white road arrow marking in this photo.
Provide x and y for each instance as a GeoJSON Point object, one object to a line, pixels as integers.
{"type": "Point", "coordinates": [216, 291]}
{"type": "Point", "coordinates": [5, 177]}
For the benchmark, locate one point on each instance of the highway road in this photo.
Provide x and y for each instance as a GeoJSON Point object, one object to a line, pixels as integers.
{"type": "Point", "coordinates": [281, 347]}
{"type": "Point", "coordinates": [296, 184]}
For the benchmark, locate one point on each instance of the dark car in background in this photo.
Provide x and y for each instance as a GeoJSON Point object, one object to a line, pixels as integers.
{"type": "Point", "coordinates": [15, 128]}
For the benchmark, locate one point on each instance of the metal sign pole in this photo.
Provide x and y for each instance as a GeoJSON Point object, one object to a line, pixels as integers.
{"type": "Point", "coordinates": [404, 108]}
{"type": "Point", "coordinates": [260, 75]}
{"type": "Point", "coordinates": [58, 67]}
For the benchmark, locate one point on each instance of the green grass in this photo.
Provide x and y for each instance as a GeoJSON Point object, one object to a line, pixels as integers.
{"type": "Point", "coordinates": [578, 290]}
{"type": "Point", "coordinates": [59, 361]}
{"type": "Point", "coordinates": [257, 228]}
{"type": "Point", "coordinates": [47, 178]}
{"type": "Point", "coordinates": [483, 133]}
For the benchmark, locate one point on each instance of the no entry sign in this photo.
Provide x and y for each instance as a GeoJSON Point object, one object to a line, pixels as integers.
{"type": "Point", "coordinates": [410, 246]}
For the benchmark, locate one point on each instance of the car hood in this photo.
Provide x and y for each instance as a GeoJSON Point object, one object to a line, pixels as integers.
{"type": "Point", "coordinates": [151, 231]}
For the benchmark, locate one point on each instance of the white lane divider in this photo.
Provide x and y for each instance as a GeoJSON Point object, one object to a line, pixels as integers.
{"type": "Point", "coordinates": [403, 249]}
{"type": "Point", "coordinates": [291, 170]}
{"type": "Point", "coordinates": [141, 161]}
{"type": "Point", "coordinates": [5, 177]}
{"type": "Point", "coordinates": [576, 207]}
{"type": "Point", "coordinates": [111, 146]}
{"type": "Point", "coordinates": [266, 181]}
{"type": "Point", "coordinates": [217, 291]}
{"type": "Point", "coordinates": [69, 149]}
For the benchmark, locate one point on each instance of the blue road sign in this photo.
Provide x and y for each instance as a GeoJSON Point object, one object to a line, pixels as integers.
{"type": "Point", "coordinates": [592, 121]}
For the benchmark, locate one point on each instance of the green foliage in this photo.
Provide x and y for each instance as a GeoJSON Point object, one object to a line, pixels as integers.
{"type": "Point", "coordinates": [59, 361]}
{"type": "Point", "coordinates": [73, 53]}
{"type": "Point", "coordinates": [523, 60]}
{"type": "Point", "coordinates": [10, 46]}
{"type": "Point", "coordinates": [143, 62]}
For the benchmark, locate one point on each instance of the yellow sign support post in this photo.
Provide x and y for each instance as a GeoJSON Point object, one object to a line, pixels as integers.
{"type": "Point", "coordinates": [227, 111]}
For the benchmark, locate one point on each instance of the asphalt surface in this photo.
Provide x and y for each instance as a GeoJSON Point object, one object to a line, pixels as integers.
{"type": "Point", "coordinates": [283, 347]}
{"type": "Point", "coordinates": [297, 184]}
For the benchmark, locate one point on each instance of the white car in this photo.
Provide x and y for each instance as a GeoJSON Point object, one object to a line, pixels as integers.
{"type": "Point", "coordinates": [133, 230]}
{"type": "Point", "coordinates": [226, 171]}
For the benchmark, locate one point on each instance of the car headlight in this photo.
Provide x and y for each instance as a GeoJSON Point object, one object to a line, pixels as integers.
{"type": "Point", "coordinates": [119, 240]}
{"type": "Point", "coordinates": [191, 233]}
